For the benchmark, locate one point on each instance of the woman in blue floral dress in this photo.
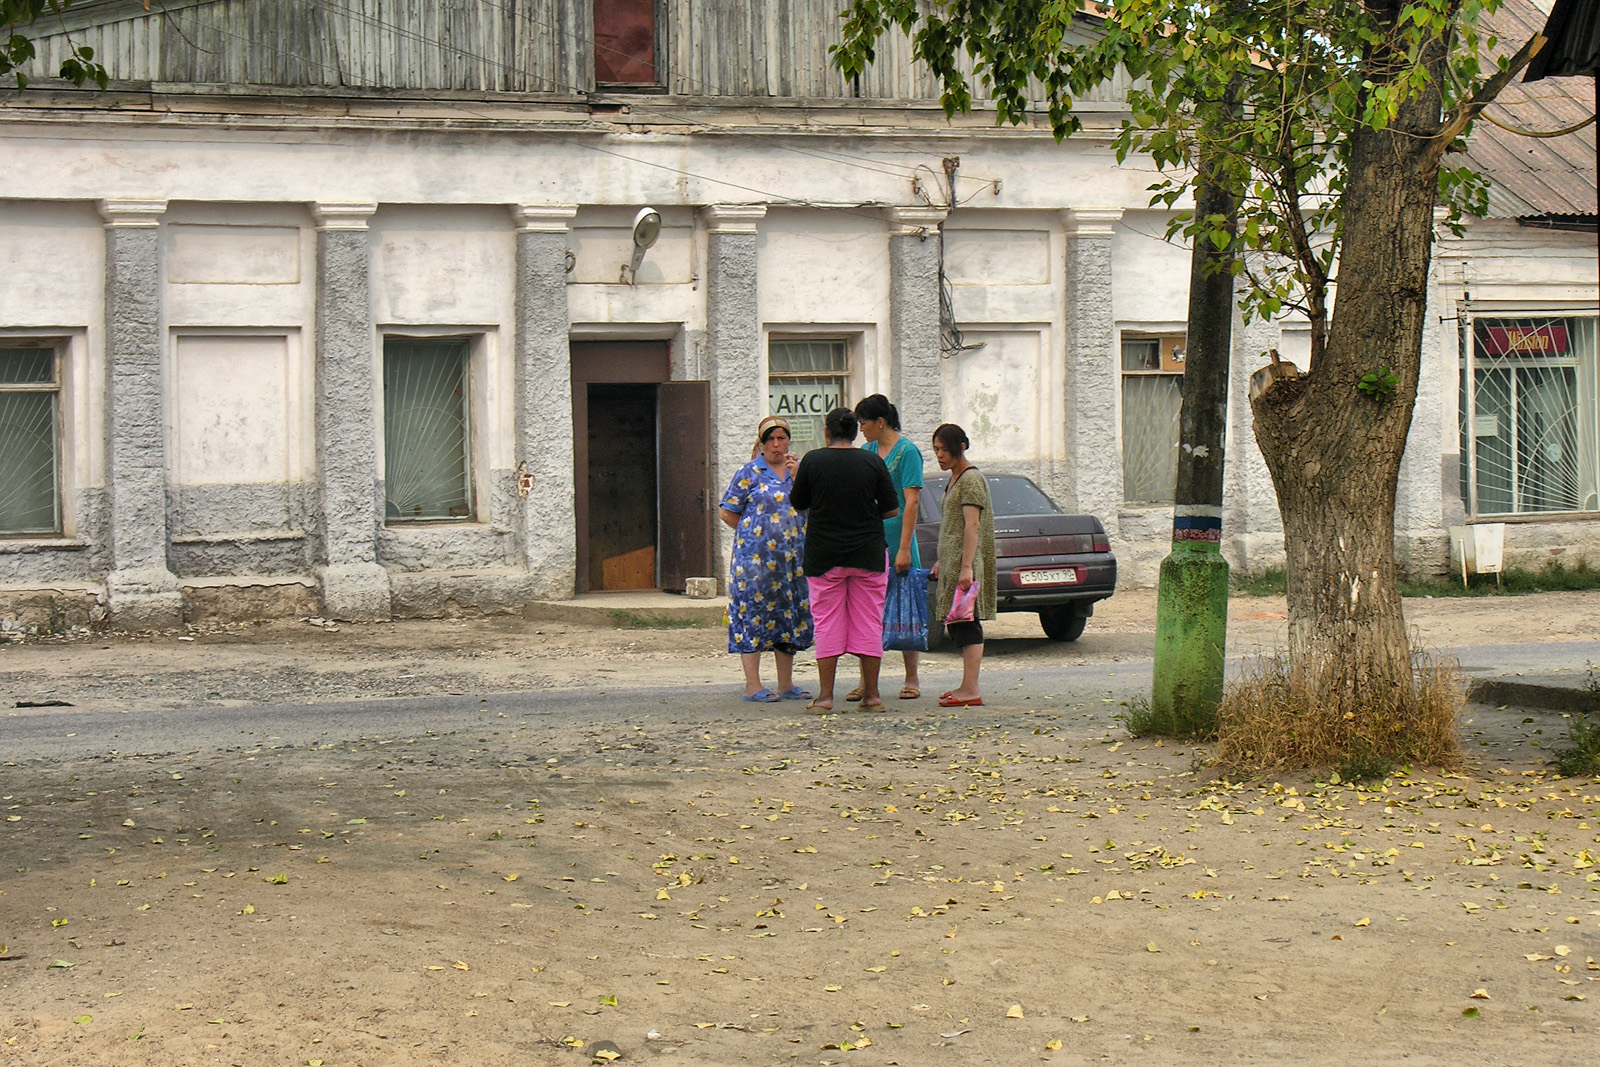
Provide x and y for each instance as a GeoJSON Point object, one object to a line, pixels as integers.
{"type": "Point", "coordinates": [768, 603]}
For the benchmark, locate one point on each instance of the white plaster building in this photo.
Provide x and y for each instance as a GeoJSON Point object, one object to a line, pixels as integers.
{"type": "Point", "coordinates": [296, 311]}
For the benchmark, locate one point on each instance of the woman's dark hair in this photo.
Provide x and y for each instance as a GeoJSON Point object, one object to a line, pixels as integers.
{"type": "Point", "coordinates": [770, 430]}
{"type": "Point", "coordinates": [877, 406]}
{"type": "Point", "coordinates": [953, 438]}
{"type": "Point", "coordinates": [841, 425]}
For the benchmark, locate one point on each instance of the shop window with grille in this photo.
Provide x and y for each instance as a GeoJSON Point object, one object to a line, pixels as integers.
{"type": "Point", "coordinates": [1152, 395]}
{"type": "Point", "coordinates": [1530, 434]}
{"type": "Point", "coordinates": [427, 438]}
{"type": "Point", "coordinates": [30, 440]}
{"type": "Point", "coordinates": [806, 379]}
{"type": "Point", "coordinates": [625, 43]}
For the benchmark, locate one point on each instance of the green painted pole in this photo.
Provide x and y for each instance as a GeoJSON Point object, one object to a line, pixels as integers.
{"type": "Point", "coordinates": [1192, 597]}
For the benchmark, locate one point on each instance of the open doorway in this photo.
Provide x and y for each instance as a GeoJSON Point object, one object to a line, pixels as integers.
{"type": "Point", "coordinates": [622, 486]}
{"type": "Point", "coordinates": [641, 459]}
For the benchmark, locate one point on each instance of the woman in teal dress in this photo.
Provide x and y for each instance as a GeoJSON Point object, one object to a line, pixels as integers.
{"type": "Point", "coordinates": [769, 606]}
{"type": "Point", "coordinates": [880, 425]}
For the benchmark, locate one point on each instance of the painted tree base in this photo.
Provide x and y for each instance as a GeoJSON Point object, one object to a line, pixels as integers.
{"type": "Point", "coordinates": [1191, 636]}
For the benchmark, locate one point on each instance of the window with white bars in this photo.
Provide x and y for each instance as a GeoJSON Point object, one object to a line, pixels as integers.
{"type": "Point", "coordinates": [30, 439]}
{"type": "Point", "coordinates": [806, 380]}
{"type": "Point", "coordinates": [1530, 433]}
{"type": "Point", "coordinates": [1152, 396]}
{"type": "Point", "coordinates": [427, 438]}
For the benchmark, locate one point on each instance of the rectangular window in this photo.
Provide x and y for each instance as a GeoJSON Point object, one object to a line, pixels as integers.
{"type": "Point", "coordinates": [427, 439]}
{"type": "Point", "coordinates": [806, 380]}
{"type": "Point", "coordinates": [30, 440]}
{"type": "Point", "coordinates": [1152, 395]}
{"type": "Point", "coordinates": [1530, 435]}
{"type": "Point", "coordinates": [625, 42]}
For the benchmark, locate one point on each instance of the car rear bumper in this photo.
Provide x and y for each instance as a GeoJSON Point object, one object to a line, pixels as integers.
{"type": "Point", "coordinates": [1097, 580]}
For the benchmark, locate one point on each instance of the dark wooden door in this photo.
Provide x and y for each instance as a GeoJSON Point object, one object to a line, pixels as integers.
{"type": "Point", "coordinates": [683, 480]}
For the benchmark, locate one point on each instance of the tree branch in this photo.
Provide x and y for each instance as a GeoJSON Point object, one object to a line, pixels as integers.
{"type": "Point", "coordinates": [1486, 94]}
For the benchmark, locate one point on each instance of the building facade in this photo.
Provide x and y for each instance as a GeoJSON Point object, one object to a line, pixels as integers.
{"type": "Point", "coordinates": [334, 308]}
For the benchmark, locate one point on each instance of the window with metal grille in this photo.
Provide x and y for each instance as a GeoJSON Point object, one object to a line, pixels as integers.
{"type": "Point", "coordinates": [427, 440]}
{"type": "Point", "coordinates": [806, 379]}
{"type": "Point", "coordinates": [625, 42]}
{"type": "Point", "coordinates": [1530, 435]}
{"type": "Point", "coordinates": [30, 441]}
{"type": "Point", "coordinates": [1152, 395]}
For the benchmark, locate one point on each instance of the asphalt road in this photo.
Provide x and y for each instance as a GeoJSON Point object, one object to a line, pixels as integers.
{"type": "Point", "coordinates": [64, 735]}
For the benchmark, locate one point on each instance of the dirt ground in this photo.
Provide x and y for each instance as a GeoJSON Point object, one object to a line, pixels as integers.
{"type": "Point", "coordinates": [701, 881]}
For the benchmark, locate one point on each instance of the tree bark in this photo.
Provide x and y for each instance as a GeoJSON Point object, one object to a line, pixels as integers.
{"type": "Point", "coordinates": [1334, 452]}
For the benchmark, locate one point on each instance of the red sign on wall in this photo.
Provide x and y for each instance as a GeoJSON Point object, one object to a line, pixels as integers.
{"type": "Point", "coordinates": [1549, 339]}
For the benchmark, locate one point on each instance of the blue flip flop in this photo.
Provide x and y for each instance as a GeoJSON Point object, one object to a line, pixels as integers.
{"type": "Point", "coordinates": [762, 696]}
{"type": "Point", "coordinates": [796, 693]}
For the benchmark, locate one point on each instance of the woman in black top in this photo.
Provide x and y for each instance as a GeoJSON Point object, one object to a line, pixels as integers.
{"type": "Point", "coordinates": [847, 493]}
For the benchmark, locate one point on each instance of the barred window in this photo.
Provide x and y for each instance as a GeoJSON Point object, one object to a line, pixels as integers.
{"type": "Point", "coordinates": [1530, 437]}
{"type": "Point", "coordinates": [806, 380]}
{"type": "Point", "coordinates": [1152, 396]}
{"type": "Point", "coordinates": [427, 440]}
{"type": "Point", "coordinates": [30, 440]}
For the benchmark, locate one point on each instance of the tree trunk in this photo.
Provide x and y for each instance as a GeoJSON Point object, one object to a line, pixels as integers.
{"type": "Point", "coordinates": [1334, 451]}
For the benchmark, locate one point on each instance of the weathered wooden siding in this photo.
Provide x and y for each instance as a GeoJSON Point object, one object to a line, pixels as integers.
{"type": "Point", "coordinates": [733, 48]}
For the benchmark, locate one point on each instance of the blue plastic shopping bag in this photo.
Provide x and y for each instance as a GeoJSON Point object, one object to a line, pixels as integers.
{"type": "Point", "coordinates": [905, 611]}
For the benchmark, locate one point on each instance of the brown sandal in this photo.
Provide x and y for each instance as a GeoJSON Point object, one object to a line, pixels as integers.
{"type": "Point", "coordinates": [855, 695]}
{"type": "Point", "coordinates": [909, 692]}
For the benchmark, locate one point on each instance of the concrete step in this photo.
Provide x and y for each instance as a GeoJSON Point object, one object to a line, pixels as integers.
{"type": "Point", "coordinates": [633, 610]}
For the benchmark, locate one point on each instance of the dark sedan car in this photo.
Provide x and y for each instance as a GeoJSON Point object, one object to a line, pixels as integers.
{"type": "Point", "coordinates": [1046, 561]}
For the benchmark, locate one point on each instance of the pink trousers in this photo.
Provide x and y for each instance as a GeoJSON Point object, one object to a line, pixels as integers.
{"type": "Point", "coordinates": [847, 608]}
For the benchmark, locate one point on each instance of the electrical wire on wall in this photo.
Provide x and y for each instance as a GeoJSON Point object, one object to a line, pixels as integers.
{"type": "Point", "coordinates": [951, 343]}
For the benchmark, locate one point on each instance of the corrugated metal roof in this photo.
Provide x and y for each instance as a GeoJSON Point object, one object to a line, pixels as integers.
{"type": "Point", "coordinates": [1534, 176]}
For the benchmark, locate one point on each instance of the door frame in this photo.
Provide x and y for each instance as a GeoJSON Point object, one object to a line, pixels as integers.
{"type": "Point", "coordinates": [596, 362]}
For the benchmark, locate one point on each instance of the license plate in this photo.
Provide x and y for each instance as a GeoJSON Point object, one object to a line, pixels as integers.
{"type": "Point", "coordinates": [1060, 576]}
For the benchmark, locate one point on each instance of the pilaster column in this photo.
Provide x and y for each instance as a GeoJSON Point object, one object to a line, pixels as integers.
{"type": "Point", "coordinates": [914, 358]}
{"type": "Point", "coordinates": [733, 334]}
{"type": "Point", "coordinates": [141, 590]}
{"type": "Point", "coordinates": [1422, 545]}
{"type": "Point", "coordinates": [1093, 366]}
{"type": "Point", "coordinates": [1252, 529]}
{"type": "Point", "coordinates": [354, 585]}
{"type": "Point", "coordinates": [543, 393]}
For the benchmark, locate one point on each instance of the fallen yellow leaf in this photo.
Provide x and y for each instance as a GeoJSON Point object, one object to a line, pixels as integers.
{"type": "Point", "coordinates": [1014, 1012]}
{"type": "Point", "coordinates": [1053, 1045]}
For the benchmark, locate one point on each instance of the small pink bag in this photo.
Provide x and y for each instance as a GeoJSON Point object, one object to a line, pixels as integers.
{"type": "Point", "coordinates": [964, 606]}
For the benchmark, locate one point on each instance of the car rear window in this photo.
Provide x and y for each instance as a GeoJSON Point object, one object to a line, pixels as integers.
{"type": "Point", "coordinates": [1015, 495]}
{"type": "Point", "coordinates": [1012, 494]}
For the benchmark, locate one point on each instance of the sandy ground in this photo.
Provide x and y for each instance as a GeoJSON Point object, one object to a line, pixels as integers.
{"type": "Point", "coordinates": [709, 882]}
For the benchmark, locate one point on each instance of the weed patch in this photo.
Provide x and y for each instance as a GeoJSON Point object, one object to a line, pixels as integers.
{"type": "Point", "coordinates": [1553, 577]}
{"type": "Point", "coordinates": [647, 620]}
{"type": "Point", "coordinates": [1581, 757]}
{"type": "Point", "coordinates": [1270, 720]}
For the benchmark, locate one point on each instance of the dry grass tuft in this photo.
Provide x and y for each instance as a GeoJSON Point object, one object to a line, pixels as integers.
{"type": "Point", "coordinates": [1270, 720]}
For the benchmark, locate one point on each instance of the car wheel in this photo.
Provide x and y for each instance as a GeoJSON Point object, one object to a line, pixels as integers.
{"type": "Point", "coordinates": [1061, 623]}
